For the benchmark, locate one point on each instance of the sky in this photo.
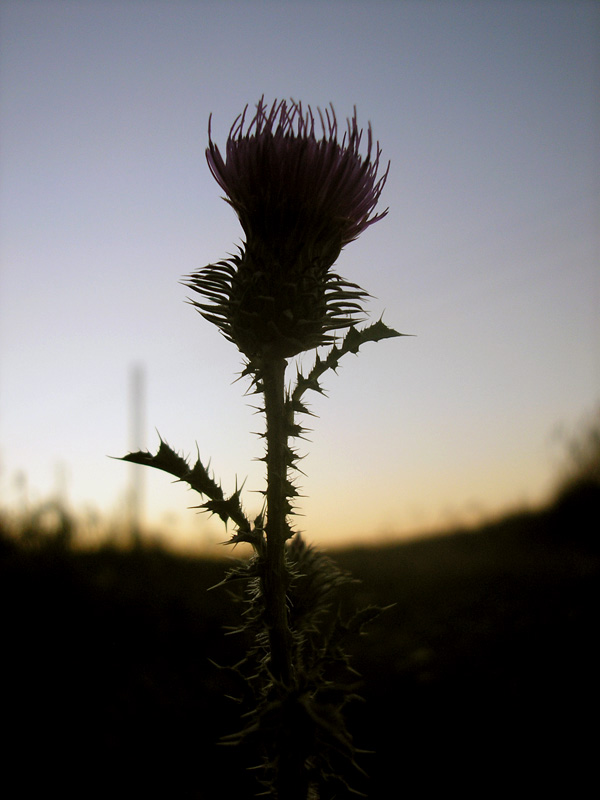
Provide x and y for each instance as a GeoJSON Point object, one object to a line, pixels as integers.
{"type": "Point", "coordinates": [489, 114]}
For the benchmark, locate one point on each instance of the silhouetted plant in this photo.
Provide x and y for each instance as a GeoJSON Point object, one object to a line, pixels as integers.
{"type": "Point", "coordinates": [582, 463]}
{"type": "Point", "coordinates": [300, 199]}
{"type": "Point", "coordinates": [577, 494]}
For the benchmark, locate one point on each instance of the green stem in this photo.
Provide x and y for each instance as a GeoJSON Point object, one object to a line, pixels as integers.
{"type": "Point", "coordinates": [275, 575]}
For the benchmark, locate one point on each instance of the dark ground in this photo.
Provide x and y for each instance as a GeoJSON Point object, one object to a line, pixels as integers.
{"type": "Point", "coordinates": [481, 681]}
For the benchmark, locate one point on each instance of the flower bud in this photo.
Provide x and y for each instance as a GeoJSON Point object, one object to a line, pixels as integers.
{"type": "Point", "coordinates": [299, 200]}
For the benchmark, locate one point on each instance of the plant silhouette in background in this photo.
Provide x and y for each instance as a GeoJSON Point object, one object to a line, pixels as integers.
{"type": "Point", "coordinates": [301, 195]}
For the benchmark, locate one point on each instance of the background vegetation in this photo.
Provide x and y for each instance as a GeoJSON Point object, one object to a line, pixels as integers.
{"type": "Point", "coordinates": [483, 676]}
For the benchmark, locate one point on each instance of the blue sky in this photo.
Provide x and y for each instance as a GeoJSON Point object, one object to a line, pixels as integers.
{"type": "Point", "coordinates": [489, 114]}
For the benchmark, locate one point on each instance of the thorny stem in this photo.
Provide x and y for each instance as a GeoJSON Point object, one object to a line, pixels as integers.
{"type": "Point", "coordinates": [275, 575]}
{"type": "Point", "coordinates": [291, 782]}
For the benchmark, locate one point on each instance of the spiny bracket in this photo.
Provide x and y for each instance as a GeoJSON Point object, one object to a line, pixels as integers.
{"type": "Point", "coordinates": [351, 343]}
{"type": "Point", "coordinates": [198, 478]}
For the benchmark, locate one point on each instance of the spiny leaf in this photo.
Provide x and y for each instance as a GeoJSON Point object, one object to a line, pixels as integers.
{"type": "Point", "coordinates": [351, 343]}
{"type": "Point", "coordinates": [166, 459]}
{"type": "Point", "coordinates": [198, 478]}
{"type": "Point", "coordinates": [373, 333]}
{"type": "Point", "coordinates": [169, 461]}
{"type": "Point", "coordinates": [227, 509]}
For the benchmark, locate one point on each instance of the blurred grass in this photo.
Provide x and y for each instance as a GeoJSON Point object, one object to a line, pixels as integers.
{"type": "Point", "coordinates": [484, 670]}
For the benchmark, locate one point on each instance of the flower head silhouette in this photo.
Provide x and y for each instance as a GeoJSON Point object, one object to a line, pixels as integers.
{"type": "Point", "coordinates": [299, 199]}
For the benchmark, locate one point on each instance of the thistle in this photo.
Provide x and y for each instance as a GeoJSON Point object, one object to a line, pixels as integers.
{"type": "Point", "coordinates": [300, 199]}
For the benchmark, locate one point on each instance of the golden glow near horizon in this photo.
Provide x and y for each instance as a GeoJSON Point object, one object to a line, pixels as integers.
{"type": "Point", "coordinates": [488, 114]}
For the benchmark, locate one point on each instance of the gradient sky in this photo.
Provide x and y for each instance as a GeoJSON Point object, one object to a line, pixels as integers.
{"type": "Point", "coordinates": [489, 113]}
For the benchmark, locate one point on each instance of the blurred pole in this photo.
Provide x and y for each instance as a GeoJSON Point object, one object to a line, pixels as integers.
{"type": "Point", "coordinates": [137, 397]}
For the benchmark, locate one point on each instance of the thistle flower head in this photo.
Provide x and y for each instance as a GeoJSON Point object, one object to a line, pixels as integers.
{"type": "Point", "coordinates": [299, 199]}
